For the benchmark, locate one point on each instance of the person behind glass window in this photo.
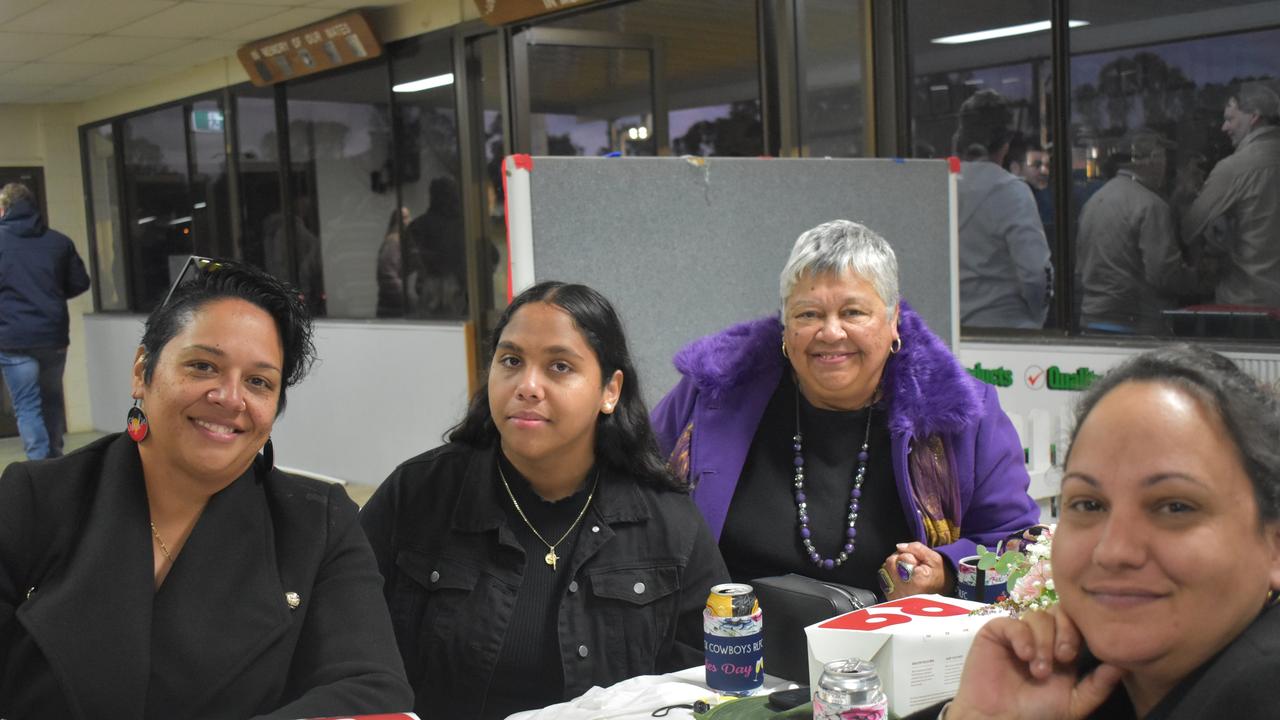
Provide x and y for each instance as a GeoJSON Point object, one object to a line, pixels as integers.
{"type": "Point", "coordinates": [437, 254]}
{"type": "Point", "coordinates": [1006, 279]}
{"type": "Point", "coordinates": [390, 267]}
{"type": "Point", "coordinates": [1129, 266]}
{"type": "Point", "coordinates": [1166, 559]}
{"type": "Point", "coordinates": [173, 572]}
{"type": "Point", "coordinates": [1236, 215]}
{"type": "Point", "coordinates": [1029, 161]}
{"type": "Point", "coordinates": [546, 548]}
{"type": "Point", "coordinates": [905, 461]}
{"type": "Point", "coordinates": [39, 271]}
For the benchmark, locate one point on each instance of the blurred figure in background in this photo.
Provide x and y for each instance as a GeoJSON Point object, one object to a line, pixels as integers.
{"type": "Point", "coordinates": [437, 256]}
{"type": "Point", "coordinates": [1029, 161]}
{"type": "Point", "coordinates": [1006, 278]}
{"type": "Point", "coordinates": [39, 271]}
{"type": "Point", "coordinates": [1236, 215]}
{"type": "Point", "coordinates": [390, 267]}
{"type": "Point", "coordinates": [1130, 268]}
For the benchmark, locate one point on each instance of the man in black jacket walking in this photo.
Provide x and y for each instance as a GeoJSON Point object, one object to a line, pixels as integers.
{"type": "Point", "coordinates": [39, 271]}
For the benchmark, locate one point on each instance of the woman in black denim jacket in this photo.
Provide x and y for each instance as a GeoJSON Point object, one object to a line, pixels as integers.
{"type": "Point", "coordinates": [546, 548]}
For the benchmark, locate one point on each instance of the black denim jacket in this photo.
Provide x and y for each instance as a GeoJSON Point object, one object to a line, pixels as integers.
{"type": "Point", "coordinates": [641, 571]}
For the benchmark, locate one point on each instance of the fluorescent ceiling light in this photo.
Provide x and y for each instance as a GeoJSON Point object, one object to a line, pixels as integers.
{"type": "Point", "coordinates": [1000, 32]}
{"type": "Point", "coordinates": [424, 84]}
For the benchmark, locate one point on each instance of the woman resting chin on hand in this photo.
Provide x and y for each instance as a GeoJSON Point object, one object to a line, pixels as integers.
{"type": "Point", "coordinates": [1166, 558]}
{"type": "Point", "coordinates": [1026, 669]}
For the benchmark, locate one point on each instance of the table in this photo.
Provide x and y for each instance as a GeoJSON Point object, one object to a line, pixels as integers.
{"type": "Point", "coordinates": [636, 698]}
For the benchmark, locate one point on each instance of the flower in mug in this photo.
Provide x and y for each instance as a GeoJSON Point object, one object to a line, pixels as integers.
{"type": "Point", "coordinates": [1030, 572]}
{"type": "Point", "coordinates": [1029, 586]}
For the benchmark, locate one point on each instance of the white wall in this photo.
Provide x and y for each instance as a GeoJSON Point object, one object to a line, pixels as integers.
{"type": "Point", "coordinates": [380, 393]}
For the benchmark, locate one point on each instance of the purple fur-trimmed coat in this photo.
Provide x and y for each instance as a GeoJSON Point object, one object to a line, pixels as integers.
{"type": "Point", "coordinates": [957, 460]}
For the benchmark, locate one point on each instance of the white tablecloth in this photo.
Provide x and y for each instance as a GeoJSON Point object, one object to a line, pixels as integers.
{"type": "Point", "coordinates": [638, 697]}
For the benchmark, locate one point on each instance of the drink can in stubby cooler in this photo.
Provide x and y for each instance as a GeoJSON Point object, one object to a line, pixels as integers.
{"type": "Point", "coordinates": [849, 690]}
{"type": "Point", "coordinates": [733, 637]}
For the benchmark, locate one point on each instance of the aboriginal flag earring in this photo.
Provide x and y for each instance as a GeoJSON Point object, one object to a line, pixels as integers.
{"type": "Point", "coordinates": [136, 423]}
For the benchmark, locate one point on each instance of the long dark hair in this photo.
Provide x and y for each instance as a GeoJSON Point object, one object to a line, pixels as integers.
{"type": "Point", "coordinates": [624, 440]}
{"type": "Point", "coordinates": [1250, 412]}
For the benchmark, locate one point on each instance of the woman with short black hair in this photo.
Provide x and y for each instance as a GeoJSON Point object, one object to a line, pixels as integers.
{"type": "Point", "coordinates": [173, 571]}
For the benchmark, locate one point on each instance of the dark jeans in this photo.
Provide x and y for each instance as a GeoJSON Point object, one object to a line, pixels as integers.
{"type": "Point", "coordinates": [34, 378]}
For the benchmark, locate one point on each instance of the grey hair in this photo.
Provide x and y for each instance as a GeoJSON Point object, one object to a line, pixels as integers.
{"type": "Point", "coordinates": [14, 192]}
{"type": "Point", "coordinates": [1249, 411]}
{"type": "Point", "coordinates": [843, 245]}
{"type": "Point", "coordinates": [1256, 97]}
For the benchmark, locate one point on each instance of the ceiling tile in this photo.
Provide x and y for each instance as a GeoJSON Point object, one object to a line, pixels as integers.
{"type": "Point", "coordinates": [284, 22]}
{"type": "Point", "coordinates": [25, 47]}
{"type": "Point", "coordinates": [70, 93]}
{"type": "Point", "coordinates": [86, 16]}
{"type": "Point", "coordinates": [19, 93]}
{"type": "Point", "coordinates": [199, 19]}
{"type": "Point", "coordinates": [192, 54]}
{"type": "Point", "coordinates": [125, 76]}
{"type": "Point", "coordinates": [278, 3]}
{"type": "Point", "coordinates": [346, 5]}
{"type": "Point", "coordinates": [117, 50]}
{"type": "Point", "coordinates": [44, 73]}
{"type": "Point", "coordinates": [10, 9]}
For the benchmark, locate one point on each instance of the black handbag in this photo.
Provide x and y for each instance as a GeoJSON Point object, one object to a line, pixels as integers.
{"type": "Point", "coordinates": [790, 604]}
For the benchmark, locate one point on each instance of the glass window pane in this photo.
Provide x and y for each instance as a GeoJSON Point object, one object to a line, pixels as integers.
{"type": "Point", "coordinates": [425, 274]}
{"type": "Point", "coordinates": [1171, 238]}
{"type": "Point", "coordinates": [210, 205]}
{"type": "Point", "coordinates": [711, 74]}
{"type": "Point", "coordinates": [341, 188]}
{"type": "Point", "coordinates": [832, 39]}
{"type": "Point", "coordinates": [985, 100]}
{"type": "Point", "coordinates": [158, 202]}
{"type": "Point", "coordinates": [590, 101]}
{"type": "Point", "coordinates": [104, 200]}
{"type": "Point", "coordinates": [262, 239]}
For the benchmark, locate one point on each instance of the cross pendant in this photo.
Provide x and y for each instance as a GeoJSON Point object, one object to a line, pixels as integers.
{"type": "Point", "coordinates": [551, 558]}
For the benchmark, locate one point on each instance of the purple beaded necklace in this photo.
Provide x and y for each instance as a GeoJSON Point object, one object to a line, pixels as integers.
{"type": "Point", "coordinates": [802, 505]}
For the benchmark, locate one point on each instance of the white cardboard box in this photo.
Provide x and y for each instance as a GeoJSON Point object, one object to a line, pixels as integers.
{"type": "Point", "coordinates": [918, 645]}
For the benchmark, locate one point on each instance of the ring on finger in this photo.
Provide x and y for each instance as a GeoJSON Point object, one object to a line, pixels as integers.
{"type": "Point", "coordinates": [906, 571]}
{"type": "Point", "coordinates": [886, 582]}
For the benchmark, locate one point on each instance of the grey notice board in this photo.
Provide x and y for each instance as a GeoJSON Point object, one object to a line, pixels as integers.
{"type": "Point", "coordinates": [686, 246]}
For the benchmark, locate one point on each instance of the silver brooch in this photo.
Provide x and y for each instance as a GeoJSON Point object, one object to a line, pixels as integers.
{"type": "Point", "coordinates": [293, 599]}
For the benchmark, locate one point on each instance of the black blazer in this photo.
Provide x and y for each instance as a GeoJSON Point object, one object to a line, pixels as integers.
{"type": "Point", "coordinates": [1238, 682]}
{"type": "Point", "coordinates": [85, 634]}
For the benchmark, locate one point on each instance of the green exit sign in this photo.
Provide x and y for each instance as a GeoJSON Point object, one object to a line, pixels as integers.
{"type": "Point", "coordinates": [209, 121]}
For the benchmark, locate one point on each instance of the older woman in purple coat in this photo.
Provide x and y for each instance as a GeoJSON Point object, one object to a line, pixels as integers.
{"type": "Point", "coordinates": [846, 442]}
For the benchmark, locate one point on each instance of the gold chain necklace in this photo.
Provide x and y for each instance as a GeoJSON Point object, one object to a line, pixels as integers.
{"type": "Point", "coordinates": [164, 550]}
{"type": "Point", "coordinates": [551, 556]}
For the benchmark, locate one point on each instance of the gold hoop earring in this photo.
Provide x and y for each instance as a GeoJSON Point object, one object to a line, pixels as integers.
{"type": "Point", "coordinates": [784, 350]}
{"type": "Point", "coordinates": [895, 346]}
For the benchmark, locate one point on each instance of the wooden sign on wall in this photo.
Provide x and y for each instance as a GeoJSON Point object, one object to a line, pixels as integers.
{"type": "Point", "coordinates": [340, 40]}
{"type": "Point", "coordinates": [501, 12]}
